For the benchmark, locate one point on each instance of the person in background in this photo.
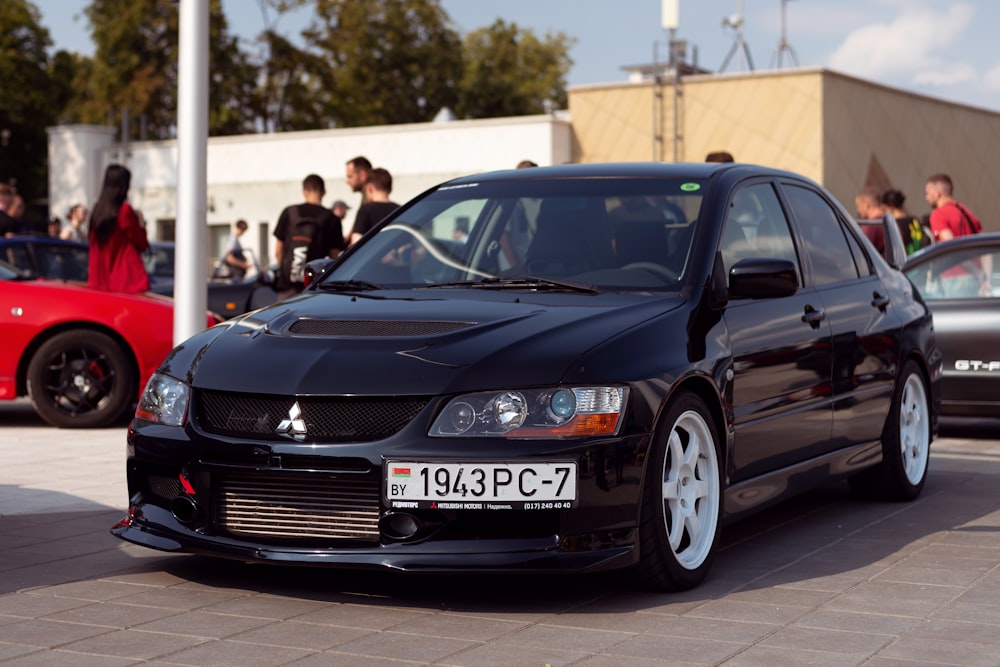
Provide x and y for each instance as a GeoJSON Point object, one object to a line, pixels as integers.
{"type": "Point", "coordinates": [7, 225]}
{"type": "Point", "coordinates": [339, 209]}
{"type": "Point", "coordinates": [305, 232]}
{"type": "Point", "coordinates": [358, 170]}
{"type": "Point", "coordinates": [117, 238]}
{"type": "Point", "coordinates": [868, 203]}
{"type": "Point", "coordinates": [914, 235]}
{"type": "Point", "coordinates": [377, 204]}
{"type": "Point", "coordinates": [235, 258]}
{"type": "Point", "coordinates": [719, 156]}
{"type": "Point", "coordinates": [16, 212]}
{"type": "Point", "coordinates": [525, 164]}
{"type": "Point", "coordinates": [948, 218]}
{"type": "Point", "coordinates": [74, 228]}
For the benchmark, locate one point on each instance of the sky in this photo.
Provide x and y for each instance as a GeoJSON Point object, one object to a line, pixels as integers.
{"type": "Point", "coordinates": [944, 49]}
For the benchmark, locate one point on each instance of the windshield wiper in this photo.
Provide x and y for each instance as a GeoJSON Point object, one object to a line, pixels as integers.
{"type": "Point", "coordinates": [347, 286]}
{"type": "Point", "coordinates": [519, 282]}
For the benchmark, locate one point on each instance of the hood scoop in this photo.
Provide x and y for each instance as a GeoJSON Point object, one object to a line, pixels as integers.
{"type": "Point", "coordinates": [373, 328]}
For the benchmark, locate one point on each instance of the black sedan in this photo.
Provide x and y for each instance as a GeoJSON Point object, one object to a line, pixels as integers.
{"type": "Point", "coordinates": [46, 257]}
{"type": "Point", "coordinates": [960, 280]}
{"type": "Point", "coordinates": [617, 359]}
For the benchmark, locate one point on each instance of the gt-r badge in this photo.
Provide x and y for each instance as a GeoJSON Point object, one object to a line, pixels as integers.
{"type": "Point", "coordinates": [293, 427]}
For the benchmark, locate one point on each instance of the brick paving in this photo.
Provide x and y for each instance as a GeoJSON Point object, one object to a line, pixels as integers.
{"type": "Point", "coordinates": [823, 580]}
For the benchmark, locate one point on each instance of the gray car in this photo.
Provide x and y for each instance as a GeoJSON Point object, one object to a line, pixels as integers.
{"type": "Point", "coordinates": [960, 281]}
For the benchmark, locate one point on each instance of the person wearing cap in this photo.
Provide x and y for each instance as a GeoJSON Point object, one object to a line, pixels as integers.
{"type": "Point", "coordinates": [340, 209]}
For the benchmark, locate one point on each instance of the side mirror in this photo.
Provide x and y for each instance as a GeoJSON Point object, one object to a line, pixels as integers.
{"type": "Point", "coordinates": [763, 278]}
{"type": "Point", "coordinates": [315, 268]}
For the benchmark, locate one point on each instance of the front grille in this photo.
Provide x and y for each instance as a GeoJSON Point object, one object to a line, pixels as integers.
{"type": "Point", "coordinates": [325, 418]}
{"type": "Point", "coordinates": [163, 487]}
{"type": "Point", "coordinates": [297, 507]}
{"type": "Point", "coordinates": [373, 328]}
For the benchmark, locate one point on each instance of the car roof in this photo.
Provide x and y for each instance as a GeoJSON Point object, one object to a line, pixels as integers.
{"type": "Point", "coordinates": [693, 170]}
{"type": "Point", "coordinates": [984, 239]}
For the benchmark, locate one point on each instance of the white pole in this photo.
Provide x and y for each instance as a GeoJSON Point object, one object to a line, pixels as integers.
{"type": "Point", "coordinates": [190, 259]}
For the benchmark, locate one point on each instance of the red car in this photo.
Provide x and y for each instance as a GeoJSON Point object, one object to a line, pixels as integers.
{"type": "Point", "coordinates": [82, 355]}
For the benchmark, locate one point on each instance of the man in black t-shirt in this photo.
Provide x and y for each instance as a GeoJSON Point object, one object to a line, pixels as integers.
{"type": "Point", "coordinates": [377, 204]}
{"type": "Point", "coordinates": [305, 232]}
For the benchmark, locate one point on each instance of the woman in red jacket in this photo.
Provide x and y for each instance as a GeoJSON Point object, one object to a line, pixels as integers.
{"type": "Point", "coordinates": [117, 238]}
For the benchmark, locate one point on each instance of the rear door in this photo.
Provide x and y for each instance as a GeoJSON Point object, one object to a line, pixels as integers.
{"type": "Point", "coordinates": [858, 309]}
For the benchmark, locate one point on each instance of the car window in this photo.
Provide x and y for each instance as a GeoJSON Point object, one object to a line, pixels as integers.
{"type": "Point", "coordinates": [968, 274]}
{"type": "Point", "coordinates": [861, 263]}
{"type": "Point", "coordinates": [612, 233]}
{"type": "Point", "coordinates": [63, 262]}
{"type": "Point", "coordinates": [820, 228]}
{"type": "Point", "coordinates": [17, 255]}
{"type": "Point", "coordinates": [159, 261]}
{"type": "Point", "coordinates": [756, 227]}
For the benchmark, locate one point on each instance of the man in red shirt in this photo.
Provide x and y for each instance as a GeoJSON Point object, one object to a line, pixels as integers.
{"type": "Point", "coordinates": [948, 218]}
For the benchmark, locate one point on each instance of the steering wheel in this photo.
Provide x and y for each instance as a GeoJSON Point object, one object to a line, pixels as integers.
{"type": "Point", "coordinates": [653, 267]}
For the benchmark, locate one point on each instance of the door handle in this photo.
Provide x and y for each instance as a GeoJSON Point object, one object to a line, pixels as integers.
{"type": "Point", "coordinates": [813, 317]}
{"type": "Point", "coordinates": [879, 301]}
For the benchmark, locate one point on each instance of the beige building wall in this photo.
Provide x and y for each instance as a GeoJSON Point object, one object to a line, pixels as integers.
{"type": "Point", "coordinates": [841, 131]}
{"type": "Point", "coordinates": [876, 135]}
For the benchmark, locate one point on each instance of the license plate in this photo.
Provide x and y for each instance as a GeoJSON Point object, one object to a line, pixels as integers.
{"type": "Point", "coordinates": [487, 486]}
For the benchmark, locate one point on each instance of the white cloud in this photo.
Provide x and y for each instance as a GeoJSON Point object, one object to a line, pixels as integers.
{"type": "Point", "coordinates": [991, 80]}
{"type": "Point", "coordinates": [912, 47]}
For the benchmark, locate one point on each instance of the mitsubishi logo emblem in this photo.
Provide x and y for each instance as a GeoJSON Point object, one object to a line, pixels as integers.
{"type": "Point", "coordinates": [293, 427]}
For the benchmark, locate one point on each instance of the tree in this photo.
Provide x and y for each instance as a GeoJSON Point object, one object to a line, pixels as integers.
{"type": "Point", "coordinates": [134, 69]}
{"type": "Point", "coordinates": [292, 96]}
{"type": "Point", "coordinates": [393, 61]}
{"type": "Point", "coordinates": [511, 72]}
{"type": "Point", "coordinates": [134, 66]}
{"type": "Point", "coordinates": [26, 108]}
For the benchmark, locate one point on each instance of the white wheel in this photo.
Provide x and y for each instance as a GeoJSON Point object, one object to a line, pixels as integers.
{"type": "Point", "coordinates": [906, 441]}
{"type": "Point", "coordinates": [691, 493]}
{"type": "Point", "coordinates": [682, 501]}
{"type": "Point", "coordinates": [914, 429]}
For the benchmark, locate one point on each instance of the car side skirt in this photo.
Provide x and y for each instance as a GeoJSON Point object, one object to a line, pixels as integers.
{"type": "Point", "coordinates": [756, 493]}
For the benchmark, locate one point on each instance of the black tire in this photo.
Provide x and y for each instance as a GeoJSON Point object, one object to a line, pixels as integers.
{"type": "Point", "coordinates": [681, 499]}
{"type": "Point", "coordinates": [81, 379]}
{"type": "Point", "coordinates": [906, 443]}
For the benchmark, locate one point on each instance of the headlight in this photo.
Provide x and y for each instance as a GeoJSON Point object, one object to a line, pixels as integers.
{"type": "Point", "coordinates": [164, 401]}
{"type": "Point", "coordinates": [554, 412]}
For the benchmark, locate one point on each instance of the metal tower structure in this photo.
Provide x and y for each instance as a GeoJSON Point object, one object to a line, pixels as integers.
{"type": "Point", "coordinates": [783, 46]}
{"type": "Point", "coordinates": [739, 47]}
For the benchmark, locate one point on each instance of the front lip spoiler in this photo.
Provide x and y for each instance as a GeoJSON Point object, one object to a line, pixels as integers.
{"type": "Point", "coordinates": [400, 558]}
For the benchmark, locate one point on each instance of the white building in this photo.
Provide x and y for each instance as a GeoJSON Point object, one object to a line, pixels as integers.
{"type": "Point", "coordinates": [253, 177]}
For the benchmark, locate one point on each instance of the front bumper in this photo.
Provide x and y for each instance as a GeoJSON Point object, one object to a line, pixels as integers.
{"type": "Point", "coordinates": [252, 502]}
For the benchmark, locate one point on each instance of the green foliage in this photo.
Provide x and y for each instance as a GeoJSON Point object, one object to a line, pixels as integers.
{"type": "Point", "coordinates": [511, 72]}
{"type": "Point", "coordinates": [135, 68]}
{"type": "Point", "coordinates": [394, 61]}
{"type": "Point", "coordinates": [358, 64]}
{"type": "Point", "coordinates": [26, 107]}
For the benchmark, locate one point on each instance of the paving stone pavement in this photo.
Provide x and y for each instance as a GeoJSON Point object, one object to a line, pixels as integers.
{"type": "Point", "coordinates": [822, 580]}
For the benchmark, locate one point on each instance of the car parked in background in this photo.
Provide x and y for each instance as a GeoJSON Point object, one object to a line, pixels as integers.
{"type": "Point", "coordinates": [81, 355]}
{"type": "Point", "coordinates": [47, 257]}
{"type": "Point", "coordinates": [960, 280]}
{"type": "Point", "coordinates": [616, 359]}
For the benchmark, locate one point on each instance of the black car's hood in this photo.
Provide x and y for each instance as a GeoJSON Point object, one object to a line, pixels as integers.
{"type": "Point", "coordinates": [413, 342]}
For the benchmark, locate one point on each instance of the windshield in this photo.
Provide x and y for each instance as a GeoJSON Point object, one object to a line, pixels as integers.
{"type": "Point", "coordinates": [604, 233]}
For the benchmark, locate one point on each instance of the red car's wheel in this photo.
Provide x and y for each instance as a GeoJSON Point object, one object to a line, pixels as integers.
{"type": "Point", "coordinates": [81, 379]}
